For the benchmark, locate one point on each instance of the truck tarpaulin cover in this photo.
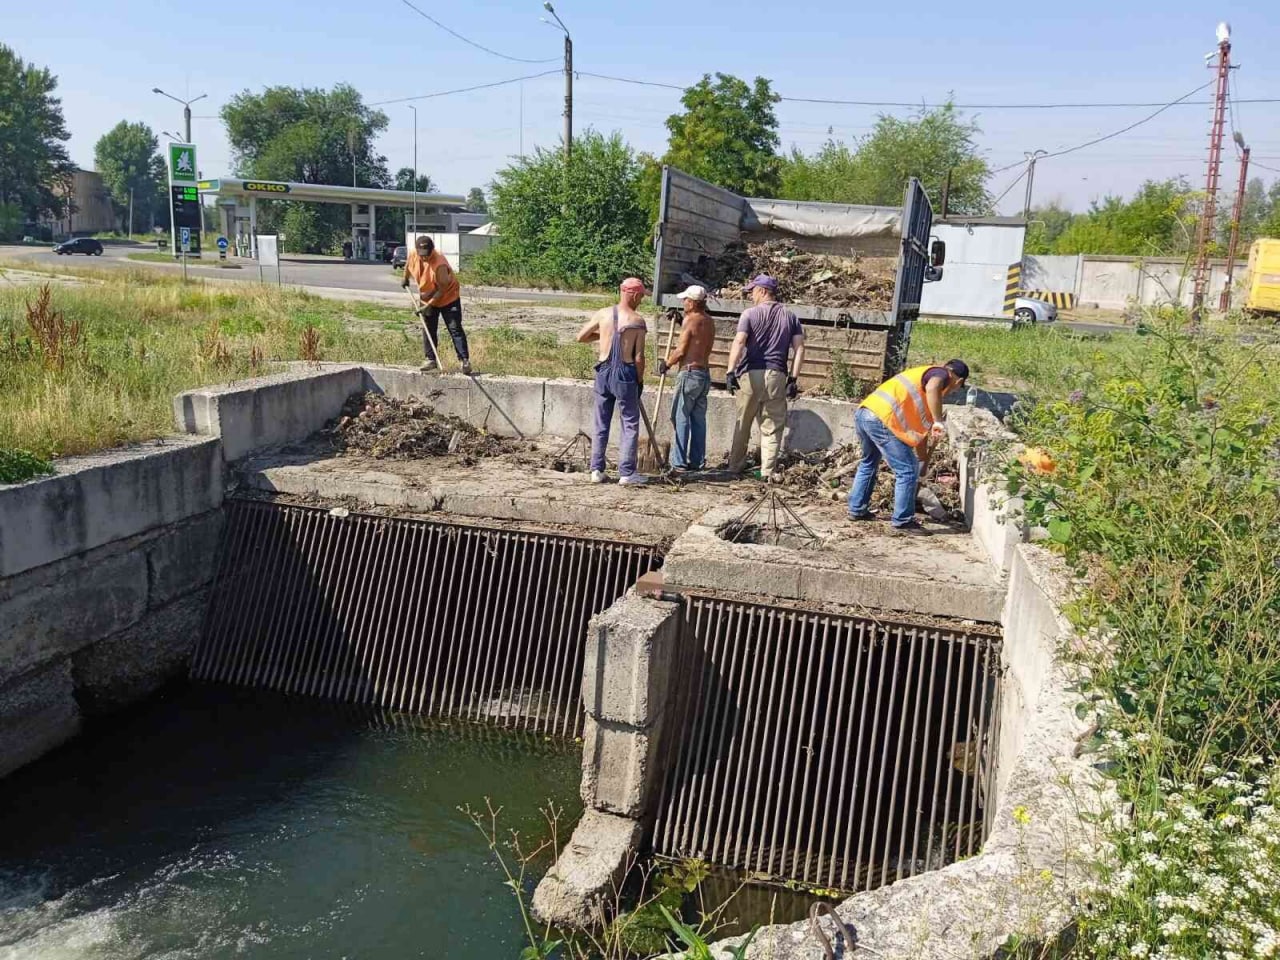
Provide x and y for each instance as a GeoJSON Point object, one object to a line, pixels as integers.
{"type": "Point", "coordinates": [832, 221]}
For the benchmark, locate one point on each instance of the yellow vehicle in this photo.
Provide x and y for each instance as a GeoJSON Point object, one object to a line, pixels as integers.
{"type": "Point", "coordinates": [1264, 277]}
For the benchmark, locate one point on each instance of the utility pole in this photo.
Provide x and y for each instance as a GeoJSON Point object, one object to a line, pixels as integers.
{"type": "Point", "coordinates": [1224, 302]}
{"type": "Point", "coordinates": [568, 81]}
{"type": "Point", "coordinates": [946, 191]}
{"type": "Point", "coordinates": [414, 231]}
{"type": "Point", "coordinates": [1031, 179]}
{"type": "Point", "coordinates": [1204, 234]}
{"type": "Point", "coordinates": [131, 213]}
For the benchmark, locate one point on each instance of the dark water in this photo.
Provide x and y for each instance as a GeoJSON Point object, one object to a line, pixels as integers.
{"type": "Point", "coordinates": [215, 823]}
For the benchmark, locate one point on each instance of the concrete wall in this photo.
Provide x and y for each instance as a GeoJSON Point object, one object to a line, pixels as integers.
{"type": "Point", "coordinates": [104, 570]}
{"type": "Point", "coordinates": [268, 411]}
{"type": "Point", "coordinates": [527, 407]}
{"type": "Point", "coordinates": [1114, 283]}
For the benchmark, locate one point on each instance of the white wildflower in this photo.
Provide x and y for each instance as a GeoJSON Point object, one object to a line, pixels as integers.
{"type": "Point", "coordinates": [1139, 949]}
{"type": "Point", "coordinates": [1146, 836]}
{"type": "Point", "coordinates": [1174, 926]}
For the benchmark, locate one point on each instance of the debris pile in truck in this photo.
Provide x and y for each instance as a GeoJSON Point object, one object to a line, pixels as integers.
{"type": "Point", "coordinates": [386, 428]}
{"type": "Point", "coordinates": [865, 283]}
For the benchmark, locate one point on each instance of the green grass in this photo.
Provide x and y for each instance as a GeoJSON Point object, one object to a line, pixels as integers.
{"type": "Point", "coordinates": [1034, 360]}
{"type": "Point", "coordinates": [145, 336]}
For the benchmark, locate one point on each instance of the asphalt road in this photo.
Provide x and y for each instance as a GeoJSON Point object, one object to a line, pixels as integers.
{"type": "Point", "coordinates": [333, 273]}
{"type": "Point", "coordinates": [302, 271]}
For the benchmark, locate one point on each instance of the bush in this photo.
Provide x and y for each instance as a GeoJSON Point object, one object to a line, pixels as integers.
{"type": "Point", "coordinates": [1160, 489]}
{"type": "Point", "coordinates": [584, 230]}
{"type": "Point", "coordinates": [17, 466]}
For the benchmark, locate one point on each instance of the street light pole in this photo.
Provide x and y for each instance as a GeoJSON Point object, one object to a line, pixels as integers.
{"type": "Point", "coordinates": [1031, 177]}
{"type": "Point", "coordinates": [568, 81]}
{"type": "Point", "coordinates": [415, 172]}
{"type": "Point", "coordinates": [186, 108]}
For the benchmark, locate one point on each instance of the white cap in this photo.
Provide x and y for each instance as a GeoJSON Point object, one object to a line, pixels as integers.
{"type": "Point", "coordinates": [694, 292]}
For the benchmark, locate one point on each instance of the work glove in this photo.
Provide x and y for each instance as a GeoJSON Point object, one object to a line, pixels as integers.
{"type": "Point", "coordinates": [937, 432]}
{"type": "Point", "coordinates": [731, 382]}
{"type": "Point", "coordinates": [405, 283]}
{"type": "Point", "coordinates": [663, 367]}
{"type": "Point", "coordinates": [793, 388]}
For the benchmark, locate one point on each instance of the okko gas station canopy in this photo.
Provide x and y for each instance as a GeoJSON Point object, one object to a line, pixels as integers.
{"type": "Point", "coordinates": [237, 202]}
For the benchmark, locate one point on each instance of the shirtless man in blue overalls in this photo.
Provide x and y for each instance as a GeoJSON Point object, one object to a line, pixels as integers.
{"type": "Point", "coordinates": [620, 332]}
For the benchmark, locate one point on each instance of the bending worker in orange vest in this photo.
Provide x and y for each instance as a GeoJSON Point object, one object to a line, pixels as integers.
{"type": "Point", "coordinates": [441, 297]}
{"type": "Point", "coordinates": [898, 422]}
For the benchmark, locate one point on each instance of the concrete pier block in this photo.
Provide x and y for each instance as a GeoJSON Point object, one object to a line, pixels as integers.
{"type": "Point", "coordinates": [184, 558]}
{"type": "Point", "coordinates": [619, 768]}
{"type": "Point", "coordinates": [585, 878]}
{"type": "Point", "coordinates": [627, 666]}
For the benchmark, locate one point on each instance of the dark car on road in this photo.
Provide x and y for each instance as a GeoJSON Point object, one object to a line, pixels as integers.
{"type": "Point", "coordinates": [85, 245]}
{"type": "Point", "coordinates": [399, 257]}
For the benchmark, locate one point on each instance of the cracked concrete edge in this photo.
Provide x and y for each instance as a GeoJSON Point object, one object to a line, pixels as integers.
{"type": "Point", "coordinates": [1026, 880]}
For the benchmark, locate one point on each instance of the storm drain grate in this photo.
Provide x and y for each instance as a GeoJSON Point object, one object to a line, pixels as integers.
{"type": "Point", "coordinates": [411, 615]}
{"type": "Point", "coordinates": [841, 752]}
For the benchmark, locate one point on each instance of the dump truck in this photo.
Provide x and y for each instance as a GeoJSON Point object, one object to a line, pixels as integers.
{"type": "Point", "coordinates": [1263, 296]}
{"type": "Point", "coordinates": [697, 219]}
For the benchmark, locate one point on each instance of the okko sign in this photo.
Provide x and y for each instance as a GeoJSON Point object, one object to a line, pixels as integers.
{"type": "Point", "coordinates": [184, 198]}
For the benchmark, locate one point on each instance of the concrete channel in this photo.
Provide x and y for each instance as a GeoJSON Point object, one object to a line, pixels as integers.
{"type": "Point", "coordinates": [796, 712]}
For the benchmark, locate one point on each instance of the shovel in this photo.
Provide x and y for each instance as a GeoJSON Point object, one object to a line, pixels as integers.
{"type": "Point", "coordinates": [426, 334]}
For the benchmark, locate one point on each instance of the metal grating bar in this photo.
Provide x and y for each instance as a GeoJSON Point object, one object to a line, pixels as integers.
{"type": "Point", "coordinates": [826, 749]}
{"type": "Point", "coordinates": [406, 614]}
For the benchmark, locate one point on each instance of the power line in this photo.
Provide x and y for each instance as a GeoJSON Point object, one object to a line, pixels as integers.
{"type": "Point", "coordinates": [959, 106]}
{"type": "Point", "coordinates": [479, 86]}
{"type": "Point", "coordinates": [478, 46]}
{"type": "Point", "coordinates": [996, 201]}
{"type": "Point", "coordinates": [1109, 136]}
{"type": "Point", "coordinates": [1263, 166]}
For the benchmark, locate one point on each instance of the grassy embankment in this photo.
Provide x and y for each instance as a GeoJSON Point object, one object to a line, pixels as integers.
{"type": "Point", "coordinates": [1163, 497]}
{"type": "Point", "coordinates": [99, 366]}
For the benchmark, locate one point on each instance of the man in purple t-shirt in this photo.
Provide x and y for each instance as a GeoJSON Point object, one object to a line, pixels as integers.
{"type": "Point", "coordinates": [766, 333]}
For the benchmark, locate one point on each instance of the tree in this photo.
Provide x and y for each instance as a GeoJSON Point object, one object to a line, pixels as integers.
{"type": "Point", "coordinates": [128, 159]}
{"type": "Point", "coordinates": [1160, 221]}
{"type": "Point", "coordinates": [310, 136]}
{"type": "Point", "coordinates": [875, 169]}
{"type": "Point", "coordinates": [404, 181]}
{"type": "Point", "coordinates": [580, 229]}
{"type": "Point", "coordinates": [35, 169]}
{"type": "Point", "coordinates": [476, 202]}
{"type": "Point", "coordinates": [1045, 225]}
{"type": "Point", "coordinates": [727, 134]}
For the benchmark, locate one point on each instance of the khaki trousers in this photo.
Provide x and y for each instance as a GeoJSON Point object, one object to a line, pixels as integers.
{"type": "Point", "coordinates": [763, 397]}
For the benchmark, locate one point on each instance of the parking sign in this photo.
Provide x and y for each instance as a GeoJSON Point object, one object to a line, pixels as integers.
{"type": "Point", "coordinates": [184, 238]}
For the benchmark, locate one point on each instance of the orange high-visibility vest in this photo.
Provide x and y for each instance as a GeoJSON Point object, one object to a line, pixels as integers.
{"type": "Point", "coordinates": [899, 403]}
{"type": "Point", "coordinates": [423, 271]}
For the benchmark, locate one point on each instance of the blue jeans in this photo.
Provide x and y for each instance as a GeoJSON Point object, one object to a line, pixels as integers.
{"type": "Point", "coordinates": [878, 442]}
{"type": "Point", "coordinates": [689, 415]}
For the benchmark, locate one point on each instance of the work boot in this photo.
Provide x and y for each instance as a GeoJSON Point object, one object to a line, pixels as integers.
{"type": "Point", "coordinates": [428, 367]}
{"type": "Point", "coordinates": [633, 480]}
{"type": "Point", "coordinates": [597, 476]}
{"type": "Point", "coordinates": [912, 528]}
{"type": "Point", "coordinates": [466, 367]}
{"type": "Point", "coordinates": [861, 517]}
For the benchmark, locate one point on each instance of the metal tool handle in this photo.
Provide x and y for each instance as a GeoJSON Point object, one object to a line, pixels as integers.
{"type": "Point", "coordinates": [815, 927]}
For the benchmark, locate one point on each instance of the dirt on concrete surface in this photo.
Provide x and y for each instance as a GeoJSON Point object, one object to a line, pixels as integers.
{"type": "Point", "coordinates": [803, 277]}
{"type": "Point", "coordinates": [383, 427]}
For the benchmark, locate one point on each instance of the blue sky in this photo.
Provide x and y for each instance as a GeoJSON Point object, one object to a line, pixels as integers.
{"type": "Point", "coordinates": [980, 52]}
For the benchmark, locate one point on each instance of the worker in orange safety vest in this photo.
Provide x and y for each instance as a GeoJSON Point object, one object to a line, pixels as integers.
{"type": "Point", "coordinates": [897, 422]}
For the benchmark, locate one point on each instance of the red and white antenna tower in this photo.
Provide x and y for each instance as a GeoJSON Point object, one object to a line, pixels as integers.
{"type": "Point", "coordinates": [1205, 234]}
